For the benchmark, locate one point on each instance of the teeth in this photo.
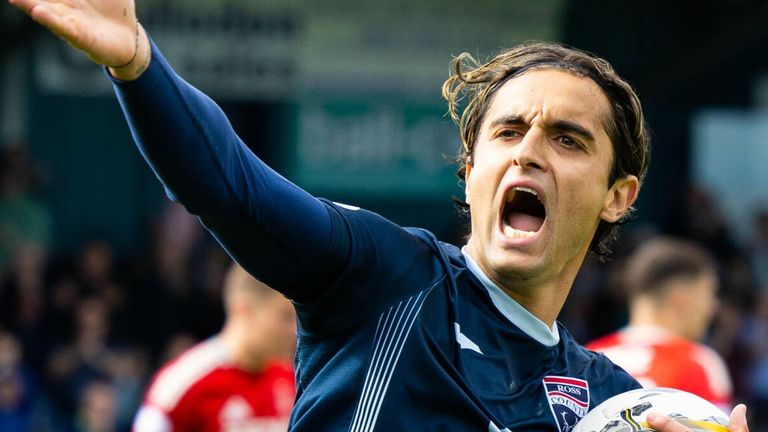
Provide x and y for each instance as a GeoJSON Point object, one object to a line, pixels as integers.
{"type": "Point", "coordinates": [513, 233]}
{"type": "Point", "coordinates": [525, 189]}
{"type": "Point", "coordinates": [514, 190]}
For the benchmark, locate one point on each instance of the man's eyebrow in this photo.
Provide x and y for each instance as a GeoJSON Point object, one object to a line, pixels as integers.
{"type": "Point", "coordinates": [568, 126]}
{"type": "Point", "coordinates": [508, 120]}
{"type": "Point", "coordinates": [561, 125]}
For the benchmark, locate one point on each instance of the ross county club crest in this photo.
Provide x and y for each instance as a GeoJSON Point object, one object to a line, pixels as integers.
{"type": "Point", "coordinates": [568, 399]}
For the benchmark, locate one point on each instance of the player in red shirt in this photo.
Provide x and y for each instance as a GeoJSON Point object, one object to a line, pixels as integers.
{"type": "Point", "coordinates": [240, 379]}
{"type": "Point", "coordinates": [671, 288]}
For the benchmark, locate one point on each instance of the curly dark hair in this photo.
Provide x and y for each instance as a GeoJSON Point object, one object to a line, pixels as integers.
{"type": "Point", "coordinates": [471, 87]}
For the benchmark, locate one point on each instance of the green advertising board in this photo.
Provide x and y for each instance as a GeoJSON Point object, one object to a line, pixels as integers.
{"type": "Point", "coordinates": [392, 148]}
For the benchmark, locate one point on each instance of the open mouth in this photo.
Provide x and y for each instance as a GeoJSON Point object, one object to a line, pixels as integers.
{"type": "Point", "coordinates": [523, 214]}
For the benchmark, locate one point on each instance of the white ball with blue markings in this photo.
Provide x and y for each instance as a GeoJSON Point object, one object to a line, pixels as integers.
{"type": "Point", "coordinates": [626, 412]}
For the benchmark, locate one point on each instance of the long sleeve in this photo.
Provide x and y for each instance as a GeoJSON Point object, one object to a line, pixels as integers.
{"type": "Point", "coordinates": [271, 227]}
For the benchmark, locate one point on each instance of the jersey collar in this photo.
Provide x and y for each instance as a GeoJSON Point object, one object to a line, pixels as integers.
{"type": "Point", "coordinates": [512, 310]}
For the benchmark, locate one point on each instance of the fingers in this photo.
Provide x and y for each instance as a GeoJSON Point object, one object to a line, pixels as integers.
{"type": "Point", "coordinates": [664, 424]}
{"type": "Point", "coordinates": [25, 5]}
{"type": "Point", "coordinates": [738, 419]}
{"type": "Point", "coordinates": [40, 11]}
{"type": "Point", "coordinates": [106, 31]}
{"type": "Point", "coordinates": [57, 17]}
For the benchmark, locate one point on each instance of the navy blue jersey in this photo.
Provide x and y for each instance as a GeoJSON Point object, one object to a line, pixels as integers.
{"type": "Point", "coordinates": [397, 331]}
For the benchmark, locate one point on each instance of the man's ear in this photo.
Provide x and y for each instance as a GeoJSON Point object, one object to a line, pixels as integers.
{"type": "Point", "coordinates": [467, 171]}
{"type": "Point", "coordinates": [620, 198]}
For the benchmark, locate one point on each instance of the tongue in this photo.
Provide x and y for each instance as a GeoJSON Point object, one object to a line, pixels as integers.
{"type": "Point", "coordinates": [524, 222]}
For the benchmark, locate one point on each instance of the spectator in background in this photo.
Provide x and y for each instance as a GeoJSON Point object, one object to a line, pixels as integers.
{"type": "Point", "coordinates": [96, 274]}
{"type": "Point", "coordinates": [24, 216]}
{"type": "Point", "coordinates": [21, 407]}
{"type": "Point", "coordinates": [176, 234]}
{"type": "Point", "coordinates": [240, 379]}
{"type": "Point", "coordinates": [22, 299]}
{"type": "Point", "coordinates": [93, 356]}
{"type": "Point", "coordinates": [96, 409]}
{"type": "Point", "coordinates": [184, 267]}
{"type": "Point", "coordinates": [671, 285]}
{"type": "Point", "coordinates": [700, 218]}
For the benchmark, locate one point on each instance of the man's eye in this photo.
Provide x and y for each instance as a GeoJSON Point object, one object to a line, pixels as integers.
{"type": "Point", "coordinates": [508, 133]}
{"type": "Point", "coordinates": [567, 141]}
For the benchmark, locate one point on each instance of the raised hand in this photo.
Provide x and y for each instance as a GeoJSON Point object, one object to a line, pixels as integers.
{"type": "Point", "coordinates": [105, 30]}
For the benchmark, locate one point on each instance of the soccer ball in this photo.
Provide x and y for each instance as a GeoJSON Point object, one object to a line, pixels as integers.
{"type": "Point", "coordinates": [626, 412]}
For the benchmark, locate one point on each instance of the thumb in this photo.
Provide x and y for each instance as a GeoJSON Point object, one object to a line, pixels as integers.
{"type": "Point", "coordinates": [738, 419]}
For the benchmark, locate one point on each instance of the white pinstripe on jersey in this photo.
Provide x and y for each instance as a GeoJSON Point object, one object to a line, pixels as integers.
{"type": "Point", "coordinates": [391, 333]}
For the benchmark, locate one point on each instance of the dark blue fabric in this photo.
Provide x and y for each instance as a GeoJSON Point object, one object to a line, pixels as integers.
{"type": "Point", "coordinates": [269, 225]}
{"type": "Point", "coordinates": [378, 305]}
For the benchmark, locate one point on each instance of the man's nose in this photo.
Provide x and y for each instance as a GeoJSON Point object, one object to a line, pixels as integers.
{"type": "Point", "coordinates": [529, 152]}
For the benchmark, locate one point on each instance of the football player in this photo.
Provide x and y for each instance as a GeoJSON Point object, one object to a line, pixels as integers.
{"type": "Point", "coordinates": [239, 379]}
{"type": "Point", "coordinates": [671, 286]}
{"type": "Point", "coordinates": [397, 330]}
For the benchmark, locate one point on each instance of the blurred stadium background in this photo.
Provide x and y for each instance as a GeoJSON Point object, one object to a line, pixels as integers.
{"type": "Point", "coordinates": [101, 278]}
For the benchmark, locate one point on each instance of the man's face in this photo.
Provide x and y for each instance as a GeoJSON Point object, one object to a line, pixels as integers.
{"type": "Point", "coordinates": [698, 303]}
{"type": "Point", "coordinates": [538, 185]}
{"type": "Point", "coordinates": [275, 318]}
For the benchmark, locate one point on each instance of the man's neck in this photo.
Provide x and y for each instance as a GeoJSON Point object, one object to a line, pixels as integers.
{"type": "Point", "coordinates": [542, 296]}
{"type": "Point", "coordinates": [545, 304]}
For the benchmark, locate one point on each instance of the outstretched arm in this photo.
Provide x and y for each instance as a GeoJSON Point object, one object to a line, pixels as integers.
{"type": "Point", "coordinates": [274, 229]}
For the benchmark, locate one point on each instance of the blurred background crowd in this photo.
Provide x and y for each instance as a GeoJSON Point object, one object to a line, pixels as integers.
{"type": "Point", "coordinates": [102, 278]}
{"type": "Point", "coordinates": [81, 331]}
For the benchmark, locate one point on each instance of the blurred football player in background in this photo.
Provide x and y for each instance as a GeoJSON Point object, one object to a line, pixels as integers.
{"type": "Point", "coordinates": [240, 379]}
{"type": "Point", "coordinates": [671, 288]}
